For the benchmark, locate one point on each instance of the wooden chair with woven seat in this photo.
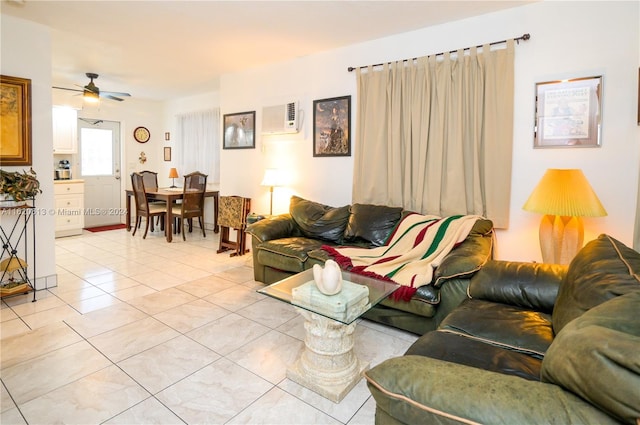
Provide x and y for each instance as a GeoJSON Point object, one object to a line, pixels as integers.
{"type": "Point", "coordinates": [192, 206]}
{"type": "Point", "coordinates": [143, 207]}
{"type": "Point", "coordinates": [232, 214]}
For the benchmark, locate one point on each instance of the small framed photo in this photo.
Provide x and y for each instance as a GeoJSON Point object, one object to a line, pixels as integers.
{"type": "Point", "coordinates": [167, 153]}
{"type": "Point", "coordinates": [568, 113]}
{"type": "Point", "coordinates": [15, 120]}
{"type": "Point", "coordinates": [167, 136]}
{"type": "Point", "coordinates": [238, 131]}
{"type": "Point", "coordinates": [332, 126]}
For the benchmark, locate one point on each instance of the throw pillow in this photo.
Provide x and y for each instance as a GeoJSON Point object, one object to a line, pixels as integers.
{"type": "Point", "coordinates": [318, 221]}
{"type": "Point", "coordinates": [596, 356]}
{"type": "Point", "coordinates": [604, 269]}
{"type": "Point", "coordinates": [371, 223]}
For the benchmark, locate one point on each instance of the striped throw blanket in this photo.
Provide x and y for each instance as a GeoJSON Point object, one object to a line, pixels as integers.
{"type": "Point", "coordinates": [412, 252]}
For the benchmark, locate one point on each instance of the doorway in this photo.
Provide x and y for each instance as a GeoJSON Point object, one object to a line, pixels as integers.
{"type": "Point", "coordinates": [99, 166]}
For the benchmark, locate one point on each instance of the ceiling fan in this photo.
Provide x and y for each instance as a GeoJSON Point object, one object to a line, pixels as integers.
{"type": "Point", "coordinates": [92, 93]}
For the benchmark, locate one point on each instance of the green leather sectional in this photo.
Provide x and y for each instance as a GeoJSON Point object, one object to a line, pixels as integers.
{"type": "Point", "coordinates": [290, 243]}
{"type": "Point", "coordinates": [532, 344]}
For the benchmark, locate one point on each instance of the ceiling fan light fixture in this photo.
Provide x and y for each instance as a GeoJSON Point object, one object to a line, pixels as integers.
{"type": "Point", "coordinates": [90, 96]}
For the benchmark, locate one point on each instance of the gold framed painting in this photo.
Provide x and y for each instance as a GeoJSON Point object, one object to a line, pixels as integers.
{"type": "Point", "coordinates": [15, 121]}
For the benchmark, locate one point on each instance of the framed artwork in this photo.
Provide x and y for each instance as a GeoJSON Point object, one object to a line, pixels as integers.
{"type": "Point", "coordinates": [15, 120]}
{"type": "Point", "coordinates": [568, 113]}
{"type": "Point", "coordinates": [332, 126]}
{"type": "Point", "coordinates": [238, 130]}
{"type": "Point", "coordinates": [167, 154]}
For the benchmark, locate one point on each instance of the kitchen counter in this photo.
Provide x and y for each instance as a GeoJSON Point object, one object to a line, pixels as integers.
{"type": "Point", "coordinates": [69, 181]}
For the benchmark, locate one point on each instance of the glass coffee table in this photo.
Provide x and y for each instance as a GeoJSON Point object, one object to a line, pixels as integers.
{"type": "Point", "coordinates": [328, 365]}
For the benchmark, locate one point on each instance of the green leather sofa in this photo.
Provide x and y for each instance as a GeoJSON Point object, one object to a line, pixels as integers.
{"type": "Point", "coordinates": [533, 344]}
{"type": "Point", "coordinates": [291, 243]}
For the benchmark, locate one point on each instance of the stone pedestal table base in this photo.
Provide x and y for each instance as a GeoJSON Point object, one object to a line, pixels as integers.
{"type": "Point", "coordinates": [328, 366]}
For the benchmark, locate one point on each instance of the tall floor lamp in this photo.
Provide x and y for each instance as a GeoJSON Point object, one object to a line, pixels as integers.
{"type": "Point", "coordinates": [564, 196]}
{"type": "Point", "coordinates": [272, 178]}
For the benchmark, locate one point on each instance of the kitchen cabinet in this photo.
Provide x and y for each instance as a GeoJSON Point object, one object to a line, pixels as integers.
{"type": "Point", "coordinates": [69, 202]}
{"type": "Point", "coordinates": [65, 130]}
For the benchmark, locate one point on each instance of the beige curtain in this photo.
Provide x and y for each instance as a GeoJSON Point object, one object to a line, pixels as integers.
{"type": "Point", "coordinates": [435, 134]}
{"type": "Point", "coordinates": [636, 231]}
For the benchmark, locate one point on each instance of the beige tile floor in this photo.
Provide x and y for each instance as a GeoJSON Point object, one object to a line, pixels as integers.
{"type": "Point", "coordinates": [142, 331]}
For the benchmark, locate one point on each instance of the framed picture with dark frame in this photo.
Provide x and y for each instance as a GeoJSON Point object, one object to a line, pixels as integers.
{"type": "Point", "coordinates": [15, 121]}
{"type": "Point", "coordinates": [167, 153]}
{"type": "Point", "coordinates": [332, 126]}
{"type": "Point", "coordinates": [238, 130]}
{"type": "Point", "coordinates": [568, 113]}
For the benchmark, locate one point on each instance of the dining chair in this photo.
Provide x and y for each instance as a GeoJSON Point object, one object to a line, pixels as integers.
{"type": "Point", "coordinates": [143, 207]}
{"type": "Point", "coordinates": [150, 179]}
{"type": "Point", "coordinates": [151, 184]}
{"type": "Point", "coordinates": [232, 214]}
{"type": "Point", "coordinates": [192, 205]}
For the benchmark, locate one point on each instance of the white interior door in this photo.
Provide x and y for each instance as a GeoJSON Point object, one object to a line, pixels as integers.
{"type": "Point", "coordinates": [99, 153]}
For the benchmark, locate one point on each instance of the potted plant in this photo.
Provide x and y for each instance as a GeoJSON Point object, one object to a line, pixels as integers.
{"type": "Point", "coordinates": [16, 187]}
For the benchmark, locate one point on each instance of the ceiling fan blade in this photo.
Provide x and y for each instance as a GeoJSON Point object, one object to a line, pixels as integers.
{"type": "Point", "coordinates": [115, 93]}
{"type": "Point", "coordinates": [64, 88]}
{"type": "Point", "coordinates": [92, 91]}
{"type": "Point", "coordinates": [108, 96]}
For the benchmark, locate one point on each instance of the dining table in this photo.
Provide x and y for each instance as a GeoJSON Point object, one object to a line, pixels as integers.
{"type": "Point", "coordinates": [171, 195]}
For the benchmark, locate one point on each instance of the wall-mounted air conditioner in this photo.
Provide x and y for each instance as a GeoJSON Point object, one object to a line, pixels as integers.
{"type": "Point", "coordinates": [280, 119]}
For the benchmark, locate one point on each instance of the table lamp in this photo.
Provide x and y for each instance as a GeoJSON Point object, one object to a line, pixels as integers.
{"type": "Point", "coordinates": [564, 196]}
{"type": "Point", "coordinates": [271, 178]}
{"type": "Point", "coordinates": [173, 174]}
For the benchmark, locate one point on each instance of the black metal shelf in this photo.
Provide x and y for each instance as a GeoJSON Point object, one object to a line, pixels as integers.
{"type": "Point", "coordinates": [13, 233]}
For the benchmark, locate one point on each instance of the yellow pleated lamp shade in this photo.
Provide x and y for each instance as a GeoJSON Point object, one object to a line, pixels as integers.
{"type": "Point", "coordinates": [565, 192]}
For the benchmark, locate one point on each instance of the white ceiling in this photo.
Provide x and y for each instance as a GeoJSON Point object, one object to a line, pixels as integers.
{"type": "Point", "coordinates": [167, 49]}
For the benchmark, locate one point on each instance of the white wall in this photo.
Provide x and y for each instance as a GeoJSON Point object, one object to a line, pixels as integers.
{"type": "Point", "coordinates": [26, 53]}
{"type": "Point", "coordinates": [568, 39]}
{"type": "Point", "coordinates": [564, 46]}
{"type": "Point", "coordinates": [173, 108]}
{"type": "Point", "coordinates": [131, 113]}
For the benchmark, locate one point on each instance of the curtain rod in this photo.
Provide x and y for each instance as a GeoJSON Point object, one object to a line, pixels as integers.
{"type": "Point", "coordinates": [524, 37]}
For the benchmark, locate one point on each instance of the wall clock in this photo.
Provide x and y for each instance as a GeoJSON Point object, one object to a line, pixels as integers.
{"type": "Point", "coordinates": [141, 134]}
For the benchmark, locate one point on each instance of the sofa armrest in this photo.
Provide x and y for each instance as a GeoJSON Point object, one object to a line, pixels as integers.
{"type": "Point", "coordinates": [529, 285]}
{"type": "Point", "coordinates": [417, 389]}
{"type": "Point", "coordinates": [468, 257]}
{"type": "Point", "coordinates": [278, 227]}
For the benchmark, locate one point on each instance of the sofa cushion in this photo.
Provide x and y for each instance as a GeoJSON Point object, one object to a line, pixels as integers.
{"type": "Point", "coordinates": [507, 326]}
{"type": "Point", "coordinates": [319, 221]}
{"type": "Point", "coordinates": [597, 356]}
{"type": "Point", "coordinates": [603, 269]}
{"type": "Point", "coordinates": [532, 286]}
{"type": "Point", "coordinates": [417, 305]}
{"type": "Point", "coordinates": [371, 223]}
{"type": "Point", "coordinates": [475, 353]}
{"type": "Point", "coordinates": [421, 390]}
{"type": "Point", "coordinates": [288, 254]}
